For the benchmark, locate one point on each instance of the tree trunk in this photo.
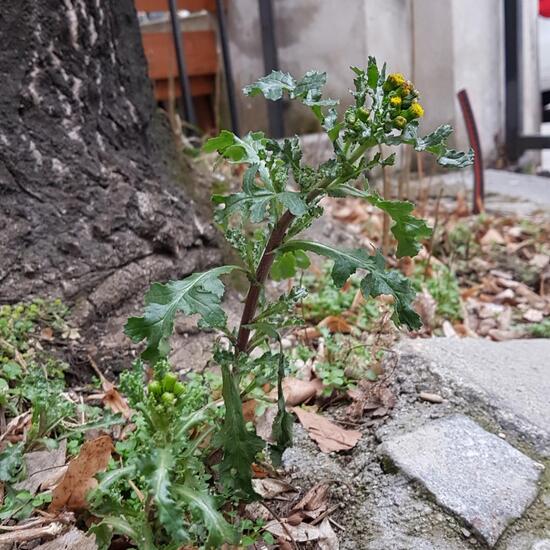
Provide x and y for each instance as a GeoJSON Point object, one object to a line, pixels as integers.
{"type": "Point", "coordinates": [92, 206]}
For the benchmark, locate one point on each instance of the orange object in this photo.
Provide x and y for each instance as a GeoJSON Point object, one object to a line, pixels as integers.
{"type": "Point", "coordinates": [201, 58]}
{"type": "Point", "coordinates": [162, 5]}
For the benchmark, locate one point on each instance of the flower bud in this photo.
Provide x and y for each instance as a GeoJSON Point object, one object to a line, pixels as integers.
{"type": "Point", "coordinates": [168, 399]}
{"type": "Point", "coordinates": [363, 114]}
{"type": "Point", "coordinates": [400, 122]}
{"type": "Point", "coordinates": [168, 382]}
{"type": "Point", "coordinates": [395, 101]}
{"type": "Point", "coordinates": [350, 117]}
{"type": "Point", "coordinates": [154, 388]}
{"type": "Point", "coordinates": [414, 111]}
{"type": "Point", "coordinates": [393, 81]}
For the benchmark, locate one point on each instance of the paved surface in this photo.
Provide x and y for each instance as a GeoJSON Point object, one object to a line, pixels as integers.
{"type": "Point", "coordinates": [470, 472]}
{"type": "Point", "coordinates": [511, 379]}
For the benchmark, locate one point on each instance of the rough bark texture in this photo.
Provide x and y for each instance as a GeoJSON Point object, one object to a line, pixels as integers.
{"type": "Point", "coordinates": [92, 204]}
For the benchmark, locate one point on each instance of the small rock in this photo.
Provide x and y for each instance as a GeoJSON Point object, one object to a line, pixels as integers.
{"type": "Point", "coordinates": [430, 397]}
{"type": "Point", "coordinates": [465, 532]}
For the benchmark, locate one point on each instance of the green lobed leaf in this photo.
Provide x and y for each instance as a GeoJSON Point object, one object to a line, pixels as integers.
{"type": "Point", "coordinates": [240, 446]}
{"type": "Point", "coordinates": [219, 530]}
{"type": "Point", "coordinates": [378, 280]}
{"type": "Point", "coordinates": [255, 202]}
{"type": "Point", "coordinates": [156, 469]}
{"type": "Point", "coordinates": [285, 265]}
{"type": "Point", "coordinates": [435, 143]}
{"type": "Point", "coordinates": [284, 421]}
{"type": "Point", "coordinates": [308, 89]}
{"type": "Point", "coordinates": [250, 149]}
{"type": "Point", "coordinates": [407, 229]}
{"type": "Point", "coordinates": [271, 86]}
{"type": "Point", "coordinates": [199, 293]}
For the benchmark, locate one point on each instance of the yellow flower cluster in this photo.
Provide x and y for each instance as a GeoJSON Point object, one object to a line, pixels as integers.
{"type": "Point", "coordinates": [416, 110]}
{"type": "Point", "coordinates": [403, 100]}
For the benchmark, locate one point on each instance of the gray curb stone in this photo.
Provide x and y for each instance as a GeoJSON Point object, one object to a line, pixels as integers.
{"type": "Point", "coordinates": [470, 472]}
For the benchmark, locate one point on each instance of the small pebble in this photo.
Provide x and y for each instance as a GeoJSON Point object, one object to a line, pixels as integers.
{"type": "Point", "coordinates": [502, 435]}
{"type": "Point", "coordinates": [430, 397]}
{"type": "Point", "coordinates": [466, 533]}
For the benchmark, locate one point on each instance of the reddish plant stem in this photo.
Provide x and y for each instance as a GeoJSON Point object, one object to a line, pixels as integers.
{"type": "Point", "coordinates": [251, 303]}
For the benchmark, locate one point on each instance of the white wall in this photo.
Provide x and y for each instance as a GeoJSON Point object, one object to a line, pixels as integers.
{"type": "Point", "coordinates": [444, 45]}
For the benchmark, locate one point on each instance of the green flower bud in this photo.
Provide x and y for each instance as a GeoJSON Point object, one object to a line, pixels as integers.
{"type": "Point", "coordinates": [168, 399]}
{"type": "Point", "coordinates": [154, 388]}
{"type": "Point", "coordinates": [179, 388]}
{"type": "Point", "coordinates": [168, 381]}
{"type": "Point", "coordinates": [350, 117]}
{"type": "Point", "coordinates": [400, 122]}
{"type": "Point", "coordinates": [363, 114]}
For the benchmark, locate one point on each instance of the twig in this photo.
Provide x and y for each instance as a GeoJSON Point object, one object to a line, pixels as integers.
{"type": "Point", "coordinates": [52, 530]}
{"type": "Point", "coordinates": [327, 512]}
{"type": "Point", "coordinates": [436, 221]}
{"type": "Point", "coordinates": [336, 524]}
{"type": "Point", "coordinates": [281, 523]}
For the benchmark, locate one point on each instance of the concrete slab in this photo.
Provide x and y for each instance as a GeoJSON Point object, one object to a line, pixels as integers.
{"type": "Point", "coordinates": [475, 475]}
{"type": "Point", "coordinates": [510, 379]}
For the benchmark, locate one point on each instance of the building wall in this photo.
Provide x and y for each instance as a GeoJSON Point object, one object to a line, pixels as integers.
{"type": "Point", "coordinates": [443, 45]}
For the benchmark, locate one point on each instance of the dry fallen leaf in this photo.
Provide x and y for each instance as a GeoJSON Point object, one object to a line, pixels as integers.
{"type": "Point", "coordinates": [315, 498]}
{"type": "Point", "coordinates": [300, 533]}
{"type": "Point", "coordinates": [335, 323]}
{"type": "Point", "coordinates": [533, 316]}
{"type": "Point", "coordinates": [264, 423]}
{"type": "Point", "coordinates": [249, 410]}
{"type": "Point", "coordinates": [72, 539]}
{"type": "Point", "coordinates": [328, 435]}
{"type": "Point", "coordinates": [306, 334]}
{"type": "Point", "coordinates": [492, 236]}
{"type": "Point", "coordinates": [327, 537]}
{"type": "Point", "coordinates": [425, 305]}
{"type": "Point", "coordinates": [44, 468]}
{"type": "Point", "coordinates": [298, 391]}
{"type": "Point", "coordinates": [46, 334]}
{"type": "Point", "coordinates": [79, 477]}
{"type": "Point", "coordinates": [113, 400]}
{"type": "Point", "coordinates": [270, 488]}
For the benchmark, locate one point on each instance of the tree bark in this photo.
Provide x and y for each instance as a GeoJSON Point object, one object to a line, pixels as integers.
{"type": "Point", "coordinates": [92, 205]}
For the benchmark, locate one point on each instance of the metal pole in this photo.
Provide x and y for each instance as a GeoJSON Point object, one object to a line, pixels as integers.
{"type": "Point", "coordinates": [271, 63]}
{"type": "Point", "coordinates": [229, 84]}
{"type": "Point", "coordinates": [512, 24]}
{"type": "Point", "coordinates": [187, 101]}
{"type": "Point", "coordinates": [473, 136]}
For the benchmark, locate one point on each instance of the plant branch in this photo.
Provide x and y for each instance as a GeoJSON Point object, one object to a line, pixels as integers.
{"type": "Point", "coordinates": [251, 303]}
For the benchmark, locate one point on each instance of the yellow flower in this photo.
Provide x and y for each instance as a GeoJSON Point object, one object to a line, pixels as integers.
{"type": "Point", "coordinates": [416, 110]}
{"type": "Point", "coordinates": [395, 101]}
{"type": "Point", "coordinates": [396, 79]}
